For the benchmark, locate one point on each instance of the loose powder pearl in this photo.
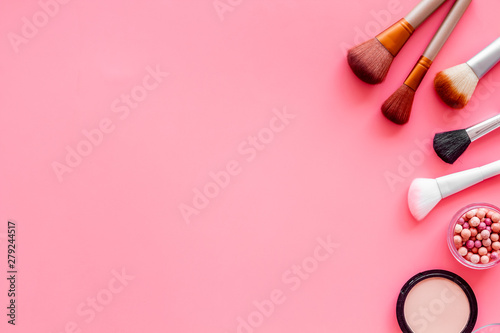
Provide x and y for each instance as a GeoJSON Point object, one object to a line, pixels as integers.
{"type": "Point", "coordinates": [466, 234]}
{"type": "Point", "coordinates": [475, 221]}
{"type": "Point", "coordinates": [485, 234]}
{"type": "Point", "coordinates": [482, 251]}
{"type": "Point", "coordinates": [475, 258]}
{"type": "Point", "coordinates": [487, 221]}
{"type": "Point", "coordinates": [485, 259]}
{"type": "Point", "coordinates": [463, 251]}
{"type": "Point", "coordinates": [494, 237]}
{"type": "Point", "coordinates": [471, 213]}
{"type": "Point", "coordinates": [486, 242]}
{"type": "Point", "coordinates": [495, 227]}
{"type": "Point", "coordinates": [495, 246]}
{"type": "Point", "coordinates": [495, 217]}
{"type": "Point", "coordinates": [473, 232]}
{"type": "Point", "coordinates": [481, 213]}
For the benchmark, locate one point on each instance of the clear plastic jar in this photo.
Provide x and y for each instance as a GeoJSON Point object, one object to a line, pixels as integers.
{"type": "Point", "coordinates": [451, 233]}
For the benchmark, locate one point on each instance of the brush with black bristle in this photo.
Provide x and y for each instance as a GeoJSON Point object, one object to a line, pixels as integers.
{"type": "Point", "coordinates": [456, 85]}
{"type": "Point", "coordinates": [371, 60]}
{"type": "Point", "coordinates": [397, 108]}
{"type": "Point", "coordinates": [449, 146]}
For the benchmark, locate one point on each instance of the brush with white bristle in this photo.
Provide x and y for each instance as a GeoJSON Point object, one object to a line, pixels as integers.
{"type": "Point", "coordinates": [456, 85]}
{"type": "Point", "coordinates": [371, 60]}
{"type": "Point", "coordinates": [425, 193]}
{"type": "Point", "coordinates": [397, 107]}
{"type": "Point", "coordinates": [449, 146]}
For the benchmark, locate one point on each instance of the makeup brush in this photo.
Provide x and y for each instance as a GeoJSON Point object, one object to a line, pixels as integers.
{"type": "Point", "coordinates": [397, 108]}
{"type": "Point", "coordinates": [456, 85]}
{"type": "Point", "coordinates": [371, 60]}
{"type": "Point", "coordinates": [425, 193]}
{"type": "Point", "coordinates": [450, 145]}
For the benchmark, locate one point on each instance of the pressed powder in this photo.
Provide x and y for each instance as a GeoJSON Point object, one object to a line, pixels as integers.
{"type": "Point", "coordinates": [436, 301]}
{"type": "Point", "coordinates": [436, 305]}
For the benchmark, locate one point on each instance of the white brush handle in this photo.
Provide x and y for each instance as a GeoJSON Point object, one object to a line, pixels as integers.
{"type": "Point", "coordinates": [483, 128]}
{"type": "Point", "coordinates": [459, 181]}
{"type": "Point", "coordinates": [422, 11]}
{"type": "Point", "coordinates": [446, 28]}
{"type": "Point", "coordinates": [486, 59]}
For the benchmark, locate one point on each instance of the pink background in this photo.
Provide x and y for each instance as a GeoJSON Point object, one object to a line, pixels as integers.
{"type": "Point", "coordinates": [323, 175]}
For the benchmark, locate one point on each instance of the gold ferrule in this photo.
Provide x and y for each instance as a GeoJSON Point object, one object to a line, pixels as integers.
{"type": "Point", "coordinates": [418, 72]}
{"type": "Point", "coordinates": [394, 37]}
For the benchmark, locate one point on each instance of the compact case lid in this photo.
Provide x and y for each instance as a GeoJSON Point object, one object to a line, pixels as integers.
{"type": "Point", "coordinates": [416, 279]}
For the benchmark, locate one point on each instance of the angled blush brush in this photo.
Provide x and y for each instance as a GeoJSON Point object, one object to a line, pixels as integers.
{"type": "Point", "coordinates": [371, 60]}
{"type": "Point", "coordinates": [397, 107]}
{"type": "Point", "coordinates": [449, 146]}
{"type": "Point", "coordinates": [456, 85]}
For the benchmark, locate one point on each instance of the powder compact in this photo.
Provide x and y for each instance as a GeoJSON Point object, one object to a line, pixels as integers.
{"type": "Point", "coordinates": [436, 301]}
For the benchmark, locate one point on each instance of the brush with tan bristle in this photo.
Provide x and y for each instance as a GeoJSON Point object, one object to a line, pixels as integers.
{"type": "Point", "coordinates": [456, 85]}
{"type": "Point", "coordinates": [371, 60]}
{"type": "Point", "coordinates": [397, 108]}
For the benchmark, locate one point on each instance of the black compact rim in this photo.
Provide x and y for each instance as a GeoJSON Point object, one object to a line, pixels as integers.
{"type": "Point", "coordinates": [436, 273]}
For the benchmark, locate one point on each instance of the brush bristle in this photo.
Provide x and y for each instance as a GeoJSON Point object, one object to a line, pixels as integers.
{"type": "Point", "coordinates": [449, 146]}
{"type": "Point", "coordinates": [370, 61]}
{"type": "Point", "coordinates": [456, 85]}
{"type": "Point", "coordinates": [397, 108]}
{"type": "Point", "coordinates": [423, 196]}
